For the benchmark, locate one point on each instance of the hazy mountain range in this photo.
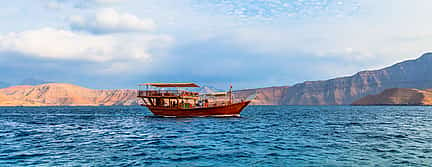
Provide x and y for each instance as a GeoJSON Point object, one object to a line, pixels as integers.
{"type": "Point", "coordinates": [60, 94]}
{"type": "Point", "coordinates": [4, 85]}
{"type": "Point", "coordinates": [345, 90]}
{"type": "Point", "coordinates": [413, 74]}
{"type": "Point", "coordinates": [26, 81]}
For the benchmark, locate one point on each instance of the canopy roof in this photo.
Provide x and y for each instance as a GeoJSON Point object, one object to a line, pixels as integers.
{"type": "Point", "coordinates": [167, 85]}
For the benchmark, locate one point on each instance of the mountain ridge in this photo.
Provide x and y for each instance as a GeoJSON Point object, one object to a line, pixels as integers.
{"type": "Point", "coordinates": [412, 74]}
{"type": "Point", "coordinates": [345, 90]}
{"type": "Point", "coordinates": [63, 94]}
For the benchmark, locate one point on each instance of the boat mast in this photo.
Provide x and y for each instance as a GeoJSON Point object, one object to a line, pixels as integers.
{"type": "Point", "coordinates": [230, 94]}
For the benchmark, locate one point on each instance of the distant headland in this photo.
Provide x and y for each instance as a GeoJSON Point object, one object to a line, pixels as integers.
{"type": "Point", "coordinates": [61, 94]}
{"type": "Point", "coordinates": [398, 96]}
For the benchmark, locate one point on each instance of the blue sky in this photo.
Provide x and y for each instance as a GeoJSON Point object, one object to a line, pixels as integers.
{"type": "Point", "coordinates": [249, 43]}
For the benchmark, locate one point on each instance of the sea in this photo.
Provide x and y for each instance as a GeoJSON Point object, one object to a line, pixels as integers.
{"type": "Point", "coordinates": [261, 136]}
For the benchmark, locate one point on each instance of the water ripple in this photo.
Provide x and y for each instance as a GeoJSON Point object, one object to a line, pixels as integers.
{"type": "Point", "coordinates": [263, 136]}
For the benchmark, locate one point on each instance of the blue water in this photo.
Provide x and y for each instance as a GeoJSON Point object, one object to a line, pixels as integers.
{"type": "Point", "coordinates": [262, 136]}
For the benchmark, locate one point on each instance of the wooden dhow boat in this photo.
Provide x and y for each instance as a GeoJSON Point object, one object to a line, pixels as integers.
{"type": "Point", "coordinates": [174, 100]}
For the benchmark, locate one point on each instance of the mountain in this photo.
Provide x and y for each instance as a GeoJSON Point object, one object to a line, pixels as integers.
{"type": "Point", "coordinates": [60, 94]}
{"type": "Point", "coordinates": [412, 74]}
{"type": "Point", "coordinates": [265, 96]}
{"type": "Point", "coordinates": [4, 85]}
{"type": "Point", "coordinates": [204, 89]}
{"type": "Point", "coordinates": [8, 101]}
{"type": "Point", "coordinates": [33, 81]}
{"type": "Point", "coordinates": [345, 90]}
{"type": "Point", "coordinates": [398, 96]}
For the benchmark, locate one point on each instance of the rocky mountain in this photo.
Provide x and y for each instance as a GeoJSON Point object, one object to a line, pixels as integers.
{"type": "Point", "coordinates": [33, 81]}
{"type": "Point", "coordinates": [398, 96]}
{"type": "Point", "coordinates": [59, 94]}
{"type": "Point", "coordinates": [413, 74]}
{"type": "Point", "coordinates": [265, 96]}
{"type": "Point", "coordinates": [8, 101]}
{"type": "Point", "coordinates": [204, 89]}
{"type": "Point", "coordinates": [345, 90]}
{"type": "Point", "coordinates": [4, 85]}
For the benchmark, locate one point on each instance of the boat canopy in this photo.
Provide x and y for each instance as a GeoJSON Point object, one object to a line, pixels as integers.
{"type": "Point", "coordinates": [170, 85]}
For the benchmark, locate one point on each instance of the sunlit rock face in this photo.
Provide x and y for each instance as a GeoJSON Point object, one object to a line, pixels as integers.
{"type": "Point", "coordinates": [59, 94]}
{"type": "Point", "coordinates": [398, 96]}
{"type": "Point", "coordinates": [265, 96]}
{"type": "Point", "coordinates": [10, 101]}
{"type": "Point", "coordinates": [345, 90]}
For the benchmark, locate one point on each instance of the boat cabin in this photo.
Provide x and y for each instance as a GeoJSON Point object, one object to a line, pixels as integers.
{"type": "Point", "coordinates": [178, 95]}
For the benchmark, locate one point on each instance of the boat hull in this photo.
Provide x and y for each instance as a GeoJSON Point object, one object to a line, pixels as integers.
{"type": "Point", "coordinates": [219, 111]}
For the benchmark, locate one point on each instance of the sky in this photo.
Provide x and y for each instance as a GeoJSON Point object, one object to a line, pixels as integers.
{"type": "Point", "coordinates": [247, 43]}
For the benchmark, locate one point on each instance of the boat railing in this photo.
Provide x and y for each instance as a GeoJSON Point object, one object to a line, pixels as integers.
{"type": "Point", "coordinates": [165, 93]}
{"type": "Point", "coordinates": [190, 105]}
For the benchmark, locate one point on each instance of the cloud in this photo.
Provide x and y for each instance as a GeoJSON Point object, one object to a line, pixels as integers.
{"type": "Point", "coordinates": [54, 5]}
{"type": "Point", "coordinates": [380, 33]}
{"type": "Point", "coordinates": [108, 1]}
{"type": "Point", "coordinates": [269, 9]}
{"type": "Point", "coordinates": [259, 40]}
{"type": "Point", "coordinates": [68, 45]}
{"type": "Point", "coordinates": [108, 20]}
{"type": "Point", "coordinates": [82, 3]}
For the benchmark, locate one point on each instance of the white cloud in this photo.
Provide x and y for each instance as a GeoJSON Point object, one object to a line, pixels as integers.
{"type": "Point", "coordinates": [83, 3]}
{"type": "Point", "coordinates": [54, 5]}
{"type": "Point", "coordinates": [68, 45]}
{"type": "Point", "coordinates": [108, 20]}
{"type": "Point", "coordinates": [108, 1]}
{"type": "Point", "coordinates": [381, 33]}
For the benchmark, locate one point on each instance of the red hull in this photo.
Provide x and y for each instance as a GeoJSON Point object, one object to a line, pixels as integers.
{"type": "Point", "coordinates": [228, 110]}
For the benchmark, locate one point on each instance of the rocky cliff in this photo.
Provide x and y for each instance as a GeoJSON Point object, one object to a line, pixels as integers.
{"type": "Point", "coordinates": [265, 96]}
{"type": "Point", "coordinates": [398, 96]}
{"type": "Point", "coordinates": [345, 90]}
{"type": "Point", "coordinates": [59, 94]}
{"type": "Point", "coordinates": [8, 101]}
